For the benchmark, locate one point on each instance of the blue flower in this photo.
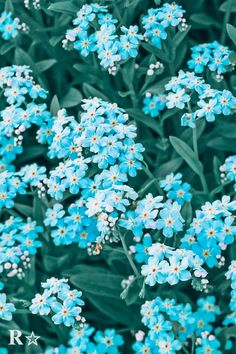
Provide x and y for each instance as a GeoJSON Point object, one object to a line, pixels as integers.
{"type": "Point", "coordinates": [85, 44]}
{"type": "Point", "coordinates": [170, 220]}
{"type": "Point", "coordinates": [41, 304]}
{"type": "Point", "coordinates": [209, 346]}
{"type": "Point", "coordinates": [108, 341]}
{"type": "Point", "coordinates": [178, 270]}
{"type": "Point", "coordinates": [64, 313]}
{"type": "Point", "coordinates": [54, 214]}
{"type": "Point", "coordinates": [167, 183]}
{"type": "Point", "coordinates": [180, 193]}
{"type": "Point", "coordinates": [71, 296]}
{"type": "Point", "coordinates": [177, 99]}
{"type": "Point", "coordinates": [154, 271]}
{"type": "Point", "coordinates": [6, 308]}
{"type": "Point", "coordinates": [6, 196]}
{"type": "Point", "coordinates": [141, 249]}
{"type": "Point", "coordinates": [153, 105]}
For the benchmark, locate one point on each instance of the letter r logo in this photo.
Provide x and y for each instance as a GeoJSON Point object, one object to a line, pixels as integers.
{"type": "Point", "coordinates": [15, 335]}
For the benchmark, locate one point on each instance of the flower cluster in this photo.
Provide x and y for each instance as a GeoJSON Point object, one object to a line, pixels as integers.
{"type": "Point", "coordinates": [6, 308]}
{"type": "Point", "coordinates": [170, 325]}
{"type": "Point", "coordinates": [19, 94]}
{"type": "Point", "coordinates": [211, 55]}
{"type": "Point", "coordinates": [76, 227]}
{"type": "Point", "coordinates": [150, 213]}
{"type": "Point", "coordinates": [18, 241]}
{"type": "Point", "coordinates": [101, 143]}
{"type": "Point", "coordinates": [176, 189]}
{"type": "Point", "coordinates": [168, 265]}
{"type": "Point", "coordinates": [209, 102]}
{"type": "Point", "coordinates": [193, 98]}
{"type": "Point", "coordinates": [231, 274]}
{"type": "Point", "coordinates": [105, 342]}
{"type": "Point", "coordinates": [17, 183]}
{"type": "Point", "coordinates": [228, 169]}
{"type": "Point", "coordinates": [143, 217]}
{"type": "Point", "coordinates": [95, 31]}
{"type": "Point", "coordinates": [211, 231]}
{"type": "Point", "coordinates": [110, 47]}
{"type": "Point", "coordinates": [59, 299]}
{"type": "Point", "coordinates": [9, 26]}
{"type": "Point", "coordinates": [158, 20]}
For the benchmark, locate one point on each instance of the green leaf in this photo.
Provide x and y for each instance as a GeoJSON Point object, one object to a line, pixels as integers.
{"type": "Point", "coordinates": [216, 169]}
{"type": "Point", "coordinates": [95, 280]}
{"type": "Point", "coordinates": [224, 334]}
{"type": "Point", "coordinates": [54, 40]}
{"type": "Point", "coordinates": [158, 87]}
{"type": "Point", "coordinates": [231, 30]}
{"type": "Point", "coordinates": [132, 295]}
{"type": "Point", "coordinates": [223, 7]}
{"type": "Point", "coordinates": [9, 6]}
{"type": "Point", "coordinates": [128, 73]}
{"type": "Point", "coordinates": [125, 94]}
{"type": "Point", "coordinates": [66, 7]}
{"type": "Point", "coordinates": [55, 106]}
{"type": "Point", "coordinates": [91, 91]}
{"type": "Point", "coordinates": [38, 212]}
{"type": "Point", "coordinates": [46, 64]}
{"type": "Point", "coordinates": [23, 209]}
{"type": "Point", "coordinates": [136, 114]}
{"type": "Point", "coordinates": [168, 167]}
{"type": "Point", "coordinates": [31, 153]}
{"type": "Point", "coordinates": [72, 98]}
{"type": "Point", "coordinates": [52, 263]}
{"type": "Point", "coordinates": [205, 20]}
{"type": "Point", "coordinates": [179, 37]}
{"type": "Point", "coordinates": [187, 154]}
{"type": "Point", "coordinates": [6, 47]}
{"type": "Point", "coordinates": [23, 58]}
{"type": "Point", "coordinates": [222, 144]}
{"type": "Point", "coordinates": [30, 274]}
{"type": "Point", "coordinates": [117, 311]}
{"type": "Point", "coordinates": [187, 212]}
{"type": "Point", "coordinates": [232, 57]}
{"type": "Point", "coordinates": [158, 52]}
{"type": "Point", "coordinates": [169, 113]}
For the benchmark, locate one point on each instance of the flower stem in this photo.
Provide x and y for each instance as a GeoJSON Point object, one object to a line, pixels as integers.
{"type": "Point", "coordinates": [196, 152]}
{"type": "Point", "coordinates": [152, 177]}
{"type": "Point", "coordinates": [131, 262]}
{"type": "Point", "coordinates": [195, 144]}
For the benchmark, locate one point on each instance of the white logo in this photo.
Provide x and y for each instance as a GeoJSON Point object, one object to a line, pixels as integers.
{"type": "Point", "coordinates": [16, 338]}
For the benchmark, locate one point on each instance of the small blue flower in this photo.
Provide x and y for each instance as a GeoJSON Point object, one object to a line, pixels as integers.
{"type": "Point", "coordinates": [141, 249]}
{"type": "Point", "coordinates": [6, 308]}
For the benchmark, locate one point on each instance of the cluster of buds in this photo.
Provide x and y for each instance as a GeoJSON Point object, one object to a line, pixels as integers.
{"type": "Point", "coordinates": [183, 26]}
{"type": "Point", "coordinates": [35, 4]}
{"type": "Point", "coordinates": [156, 68]}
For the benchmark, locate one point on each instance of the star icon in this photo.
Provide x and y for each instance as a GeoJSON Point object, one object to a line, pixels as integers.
{"type": "Point", "coordinates": [32, 339]}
